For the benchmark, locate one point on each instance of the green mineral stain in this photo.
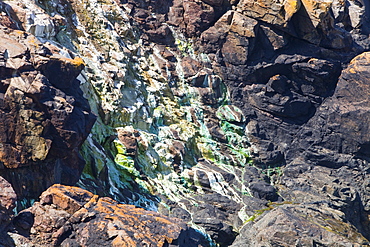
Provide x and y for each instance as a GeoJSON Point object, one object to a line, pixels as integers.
{"type": "Point", "coordinates": [230, 113]}
{"type": "Point", "coordinates": [169, 118]}
{"type": "Point", "coordinates": [125, 162]}
{"type": "Point", "coordinates": [121, 149]}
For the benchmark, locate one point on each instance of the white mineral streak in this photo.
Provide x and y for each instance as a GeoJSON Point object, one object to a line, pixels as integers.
{"type": "Point", "coordinates": [40, 25]}
{"type": "Point", "coordinates": [355, 13]}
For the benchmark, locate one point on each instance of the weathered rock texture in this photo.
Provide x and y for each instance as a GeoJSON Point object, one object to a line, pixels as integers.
{"type": "Point", "coordinates": [70, 216]}
{"type": "Point", "coordinates": [298, 225]}
{"type": "Point", "coordinates": [44, 117]}
{"type": "Point", "coordinates": [338, 135]}
{"type": "Point", "coordinates": [242, 117]}
{"type": "Point", "coordinates": [7, 204]}
{"type": "Point", "coordinates": [7, 200]}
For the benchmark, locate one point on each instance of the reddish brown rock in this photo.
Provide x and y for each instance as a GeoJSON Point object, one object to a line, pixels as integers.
{"type": "Point", "coordinates": [7, 195]}
{"type": "Point", "coordinates": [128, 137]}
{"type": "Point", "coordinates": [235, 31]}
{"type": "Point", "coordinates": [235, 49]}
{"type": "Point", "coordinates": [70, 216]}
{"type": "Point", "coordinates": [190, 66]}
{"type": "Point", "coordinates": [193, 16]}
{"type": "Point", "coordinates": [7, 202]}
{"type": "Point", "coordinates": [274, 12]}
{"type": "Point", "coordinates": [277, 38]}
{"type": "Point", "coordinates": [296, 225]}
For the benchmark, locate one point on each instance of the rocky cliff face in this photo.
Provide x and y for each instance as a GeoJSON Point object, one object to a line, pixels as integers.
{"type": "Point", "coordinates": [245, 118]}
{"type": "Point", "coordinates": [44, 116]}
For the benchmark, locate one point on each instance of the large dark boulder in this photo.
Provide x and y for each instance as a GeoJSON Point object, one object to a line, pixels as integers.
{"type": "Point", "coordinates": [44, 117]}
{"type": "Point", "coordinates": [339, 132]}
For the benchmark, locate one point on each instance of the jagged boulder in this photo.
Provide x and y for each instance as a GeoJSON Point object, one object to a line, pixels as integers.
{"type": "Point", "coordinates": [44, 116]}
{"type": "Point", "coordinates": [274, 12]}
{"type": "Point", "coordinates": [192, 17]}
{"type": "Point", "coordinates": [70, 216]}
{"type": "Point", "coordinates": [7, 204]}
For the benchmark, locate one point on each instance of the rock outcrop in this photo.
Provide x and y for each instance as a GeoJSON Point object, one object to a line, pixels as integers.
{"type": "Point", "coordinates": [70, 216]}
{"type": "Point", "coordinates": [248, 119]}
{"type": "Point", "coordinates": [7, 204]}
{"type": "Point", "coordinates": [338, 134]}
{"type": "Point", "coordinates": [327, 173]}
{"type": "Point", "coordinates": [43, 114]}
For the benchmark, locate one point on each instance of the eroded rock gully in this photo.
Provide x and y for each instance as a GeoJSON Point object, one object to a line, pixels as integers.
{"type": "Point", "coordinates": [247, 119]}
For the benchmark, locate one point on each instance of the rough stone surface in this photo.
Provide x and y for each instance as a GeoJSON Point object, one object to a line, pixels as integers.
{"type": "Point", "coordinates": [7, 195]}
{"type": "Point", "coordinates": [7, 203]}
{"type": "Point", "coordinates": [44, 116]}
{"type": "Point", "coordinates": [292, 225]}
{"type": "Point", "coordinates": [346, 114]}
{"type": "Point", "coordinates": [70, 216]}
{"type": "Point", "coordinates": [245, 118]}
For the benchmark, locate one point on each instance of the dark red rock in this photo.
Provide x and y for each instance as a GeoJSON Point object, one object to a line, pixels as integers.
{"type": "Point", "coordinates": [235, 49]}
{"type": "Point", "coordinates": [7, 196]}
